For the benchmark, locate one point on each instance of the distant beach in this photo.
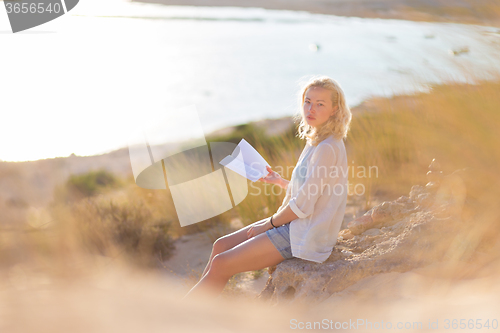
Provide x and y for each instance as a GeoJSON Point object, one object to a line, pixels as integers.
{"type": "Point", "coordinates": [480, 12]}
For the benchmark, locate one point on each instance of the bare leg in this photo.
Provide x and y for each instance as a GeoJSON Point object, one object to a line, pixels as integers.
{"type": "Point", "coordinates": [255, 253]}
{"type": "Point", "coordinates": [227, 242]}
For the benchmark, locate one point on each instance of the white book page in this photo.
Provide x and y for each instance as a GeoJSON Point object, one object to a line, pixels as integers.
{"type": "Point", "coordinates": [246, 161]}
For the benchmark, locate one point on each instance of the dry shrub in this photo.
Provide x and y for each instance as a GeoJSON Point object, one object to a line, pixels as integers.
{"type": "Point", "coordinates": [86, 185]}
{"type": "Point", "coordinates": [129, 228]}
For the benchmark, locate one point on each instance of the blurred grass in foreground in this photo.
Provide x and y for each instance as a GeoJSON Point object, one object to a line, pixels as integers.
{"type": "Point", "coordinates": [456, 124]}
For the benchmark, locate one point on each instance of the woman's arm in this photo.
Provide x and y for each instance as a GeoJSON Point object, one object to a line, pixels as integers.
{"type": "Point", "coordinates": [284, 216]}
{"type": "Point", "coordinates": [284, 183]}
{"type": "Point", "coordinates": [274, 178]}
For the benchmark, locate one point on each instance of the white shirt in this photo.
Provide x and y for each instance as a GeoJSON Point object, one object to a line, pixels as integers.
{"type": "Point", "coordinates": [317, 194]}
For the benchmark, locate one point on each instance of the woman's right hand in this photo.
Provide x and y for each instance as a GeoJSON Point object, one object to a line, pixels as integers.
{"type": "Point", "coordinates": [258, 228]}
{"type": "Point", "coordinates": [272, 178]}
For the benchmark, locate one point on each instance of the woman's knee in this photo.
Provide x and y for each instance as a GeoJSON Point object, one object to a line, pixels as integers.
{"type": "Point", "coordinates": [227, 242]}
{"type": "Point", "coordinates": [220, 245]}
{"type": "Point", "coordinates": [220, 266]}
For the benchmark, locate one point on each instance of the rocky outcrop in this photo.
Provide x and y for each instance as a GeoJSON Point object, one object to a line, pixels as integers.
{"type": "Point", "coordinates": [395, 236]}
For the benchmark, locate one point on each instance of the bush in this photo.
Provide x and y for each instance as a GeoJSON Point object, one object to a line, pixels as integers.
{"type": "Point", "coordinates": [86, 185]}
{"type": "Point", "coordinates": [106, 226]}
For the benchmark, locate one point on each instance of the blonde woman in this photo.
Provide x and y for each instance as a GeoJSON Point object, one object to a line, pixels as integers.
{"type": "Point", "coordinates": [308, 221]}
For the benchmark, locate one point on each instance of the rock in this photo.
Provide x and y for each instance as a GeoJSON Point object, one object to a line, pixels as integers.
{"type": "Point", "coordinates": [346, 234]}
{"type": "Point", "coordinates": [398, 210]}
{"type": "Point", "coordinates": [432, 186]}
{"type": "Point", "coordinates": [424, 200]}
{"type": "Point", "coordinates": [372, 232]}
{"type": "Point", "coordinates": [418, 244]}
{"type": "Point", "coordinates": [348, 217]}
{"type": "Point", "coordinates": [415, 191]}
{"type": "Point", "coordinates": [381, 214]}
{"type": "Point", "coordinates": [403, 199]}
{"type": "Point", "coordinates": [361, 224]}
{"type": "Point", "coordinates": [271, 269]}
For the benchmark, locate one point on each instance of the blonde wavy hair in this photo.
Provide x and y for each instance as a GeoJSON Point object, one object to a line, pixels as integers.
{"type": "Point", "coordinates": [337, 125]}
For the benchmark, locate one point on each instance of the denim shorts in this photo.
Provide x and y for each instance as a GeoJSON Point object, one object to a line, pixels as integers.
{"type": "Point", "coordinates": [280, 237]}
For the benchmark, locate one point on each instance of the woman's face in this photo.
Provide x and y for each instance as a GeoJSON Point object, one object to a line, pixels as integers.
{"type": "Point", "coordinates": [317, 106]}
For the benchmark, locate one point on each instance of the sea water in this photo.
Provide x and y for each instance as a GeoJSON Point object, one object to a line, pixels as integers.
{"type": "Point", "coordinates": [83, 82]}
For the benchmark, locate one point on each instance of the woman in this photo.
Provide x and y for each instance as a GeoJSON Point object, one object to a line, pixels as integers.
{"type": "Point", "coordinates": [307, 223]}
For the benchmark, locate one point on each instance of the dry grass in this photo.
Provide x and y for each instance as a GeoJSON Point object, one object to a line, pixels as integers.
{"type": "Point", "coordinates": [456, 124]}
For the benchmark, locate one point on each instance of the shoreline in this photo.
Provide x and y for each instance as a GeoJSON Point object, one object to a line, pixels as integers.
{"type": "Point", "coordinates": [480, 12]}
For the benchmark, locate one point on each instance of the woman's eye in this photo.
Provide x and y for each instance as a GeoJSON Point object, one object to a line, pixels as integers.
{"type": "Point", "coordinates": [320, 104]}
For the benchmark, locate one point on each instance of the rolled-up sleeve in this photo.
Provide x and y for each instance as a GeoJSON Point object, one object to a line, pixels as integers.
{"type": "Point", "coordinates": [319, 173]}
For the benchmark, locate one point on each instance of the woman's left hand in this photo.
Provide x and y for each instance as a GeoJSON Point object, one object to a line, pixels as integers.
{"type": "Point", "coordinates": [258, 228]}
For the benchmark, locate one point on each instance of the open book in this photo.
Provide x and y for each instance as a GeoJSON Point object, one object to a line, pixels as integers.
{"type": "Point", "coordinates": [246, 161]}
